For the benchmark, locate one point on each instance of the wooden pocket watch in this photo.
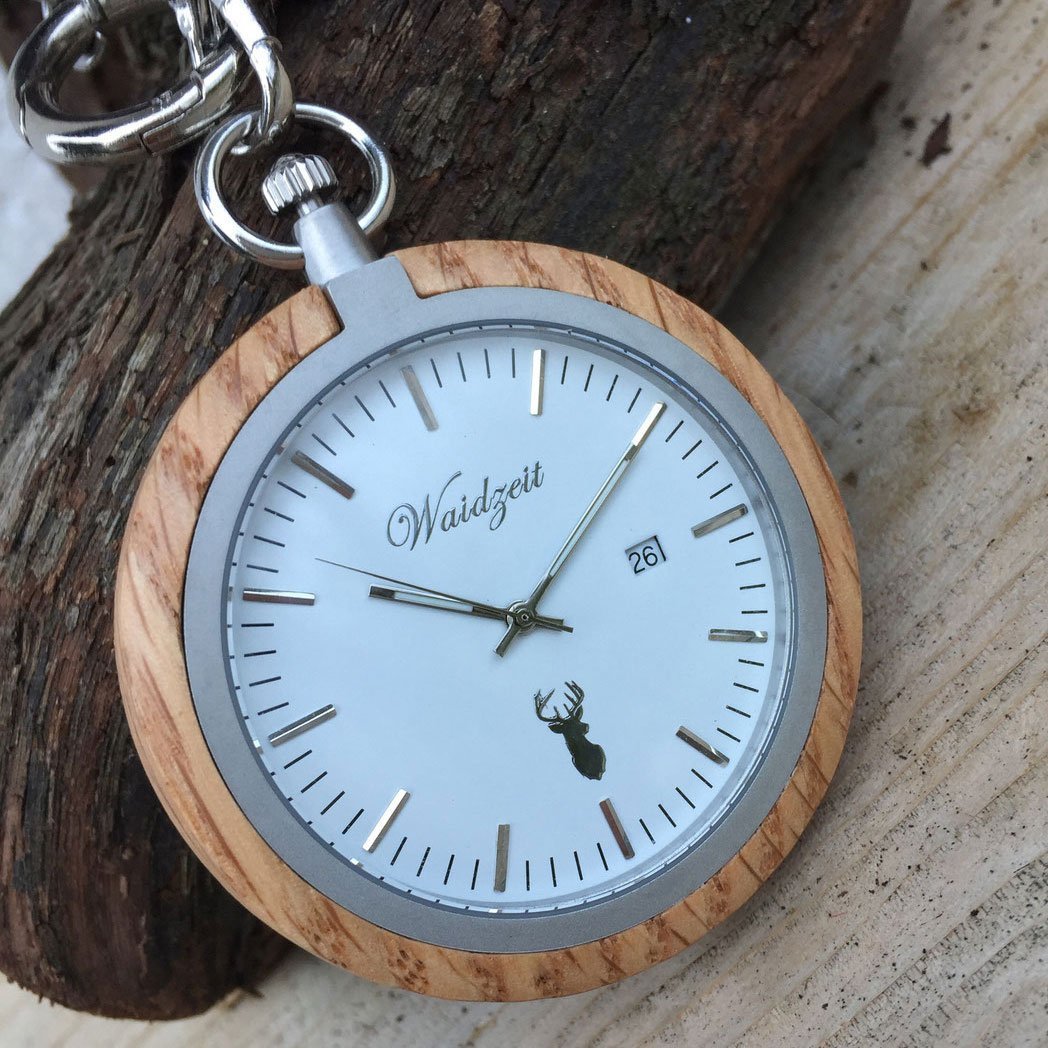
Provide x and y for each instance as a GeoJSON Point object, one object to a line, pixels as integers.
{"type": "Point", "coordinates": [656, 684]}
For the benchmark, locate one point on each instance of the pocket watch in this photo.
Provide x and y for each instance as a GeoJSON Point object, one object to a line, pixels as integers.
{"type": "Point", "coordinates": [487, 620]}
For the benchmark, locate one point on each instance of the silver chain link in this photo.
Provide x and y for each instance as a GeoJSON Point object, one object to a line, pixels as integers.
{"type": "Point", "coordinates": [219, 216]}
{"type": "Point", "coordinates": [225, 38]}
{"type": "Point", "coordinates": [92, 56]}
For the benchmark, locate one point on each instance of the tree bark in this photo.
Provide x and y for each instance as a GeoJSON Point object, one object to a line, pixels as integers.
{"type": "Point", "coordinates": [664, 135]}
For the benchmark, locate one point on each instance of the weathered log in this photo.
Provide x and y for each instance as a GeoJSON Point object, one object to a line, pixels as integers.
{"type": "Point", "coordinates": [663, 135]}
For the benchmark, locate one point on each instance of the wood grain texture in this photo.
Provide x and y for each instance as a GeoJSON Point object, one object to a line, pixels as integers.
{"type": "Point", "coordinates": [664, 134]}
{"type": "Point", "coordinates": [160, 710]}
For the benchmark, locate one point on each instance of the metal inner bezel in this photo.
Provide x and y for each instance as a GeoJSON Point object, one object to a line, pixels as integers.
{"type": "Point", "coordinates": [385, 312]}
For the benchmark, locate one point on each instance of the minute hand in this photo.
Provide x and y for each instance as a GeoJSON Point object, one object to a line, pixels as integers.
{"type": "Point", "coordinates": [603, 493]}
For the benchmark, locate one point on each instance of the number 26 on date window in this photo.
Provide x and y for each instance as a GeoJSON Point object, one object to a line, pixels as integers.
{"type": "Point", "coordinates": [645, 554]}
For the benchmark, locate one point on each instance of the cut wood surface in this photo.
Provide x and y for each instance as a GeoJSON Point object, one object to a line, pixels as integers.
{"type": "Point", "coordinates": [663, 135]}
{"type": "Point", "coordinates": [905, 309]}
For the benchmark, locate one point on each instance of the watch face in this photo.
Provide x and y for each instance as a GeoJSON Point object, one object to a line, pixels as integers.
{"type": "Point", "coordinates": [493, 630]}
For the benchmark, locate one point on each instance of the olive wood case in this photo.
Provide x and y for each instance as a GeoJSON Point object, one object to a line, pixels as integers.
{"type": "Point", "coordinates": [159, 707]}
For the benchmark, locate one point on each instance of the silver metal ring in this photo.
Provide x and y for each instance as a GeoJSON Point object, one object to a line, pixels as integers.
{"type": "Point", "coordinates": [50, 53]}
{"type": "Point", "coordinates": [92, 56]}
{"type": "Point", "coordinates": [207, 177]}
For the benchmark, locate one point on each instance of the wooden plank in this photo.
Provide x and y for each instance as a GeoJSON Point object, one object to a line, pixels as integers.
{"type": "Point", "coordinates": [912, 911]}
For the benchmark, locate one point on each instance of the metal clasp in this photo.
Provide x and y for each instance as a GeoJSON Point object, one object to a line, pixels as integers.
{"type": "Point", "coordinates": [263, 53]}
{"type": "Point", "coordinates": [90, 58]}
{"type": "Point", "coordinates": [217, 32]}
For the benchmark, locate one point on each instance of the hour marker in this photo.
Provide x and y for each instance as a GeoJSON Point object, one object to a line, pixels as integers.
{"type": "Point", "coordinates": [645, 428]}
{"type": "Point", "coordinates": [322, 473]}
{"type": "Point", "coordinates": [538, 380]}
{"type": "Point", "coordinates": [418, 395]}
{"type": "Point", "coordinates": [744, 636]}
{"type": "Point", "coordinates": [501, 857]}
{"type": "Point", "coordinates": [268, 596]}
{"type": "Point", "coordinates": [719, 521]}
{"type": "Point", "coordinates": [393, 809]}
{"type": "Point", "coordinates": [701, 745]}
{"type": "Point", "coordinates": [296, 728]}
{"type": "Point", "coordinates": [618, 831]}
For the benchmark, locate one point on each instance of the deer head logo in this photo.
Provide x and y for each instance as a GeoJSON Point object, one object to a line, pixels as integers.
{"type": "Point", "coordinates": [587, 756]}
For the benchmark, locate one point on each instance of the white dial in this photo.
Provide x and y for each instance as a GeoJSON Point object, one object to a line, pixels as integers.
{"type": "Point", "coordinates": [390, 561]}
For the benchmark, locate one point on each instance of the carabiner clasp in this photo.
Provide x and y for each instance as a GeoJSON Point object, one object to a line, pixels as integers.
{"type": "Point", "coordinates": [218, 33]}
{"type": "Point", "coordinates": [263, 52]}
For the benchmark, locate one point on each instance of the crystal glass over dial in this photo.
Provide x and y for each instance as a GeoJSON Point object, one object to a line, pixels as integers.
{"type": "Point", "coordinates": [429, 726]}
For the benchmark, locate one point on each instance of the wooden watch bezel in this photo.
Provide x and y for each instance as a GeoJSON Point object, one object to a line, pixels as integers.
{"type": "Point", "coordinates": [169, 739]}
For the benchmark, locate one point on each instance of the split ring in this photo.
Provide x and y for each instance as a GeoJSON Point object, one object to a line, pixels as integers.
{"type": "Point", "coordinates": [207, 177]}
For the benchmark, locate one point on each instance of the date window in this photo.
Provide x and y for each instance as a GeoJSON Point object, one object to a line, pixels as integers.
{"type": "Point", "coordinates": [645, 555]}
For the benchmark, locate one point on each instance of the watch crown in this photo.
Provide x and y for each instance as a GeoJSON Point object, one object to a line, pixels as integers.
{"type": "Point", "coordinates": [299, 180]}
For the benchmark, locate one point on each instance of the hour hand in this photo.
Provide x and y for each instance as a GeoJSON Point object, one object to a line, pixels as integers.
{"type": "Point", "coordinates": [432, 598]}
{"type": "Point", "coordinates": [486, 611]}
